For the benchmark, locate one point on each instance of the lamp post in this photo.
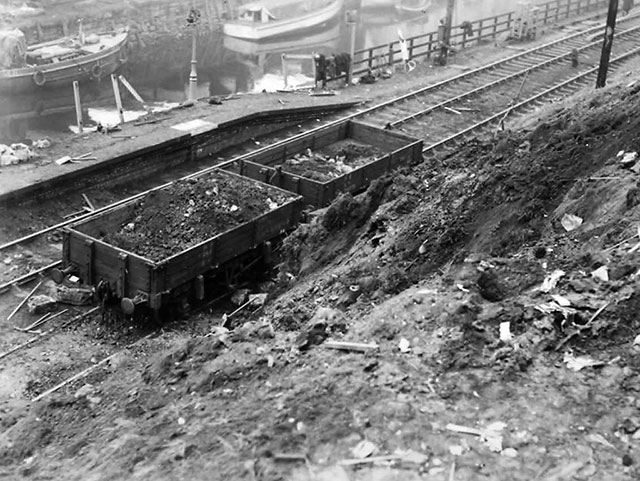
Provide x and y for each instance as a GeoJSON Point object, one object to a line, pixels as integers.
{"type": "Point", "coordinates": [192, 22]}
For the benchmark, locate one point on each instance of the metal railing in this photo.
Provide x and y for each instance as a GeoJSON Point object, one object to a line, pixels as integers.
{"type": "Point", "coordinates": [484, 30]}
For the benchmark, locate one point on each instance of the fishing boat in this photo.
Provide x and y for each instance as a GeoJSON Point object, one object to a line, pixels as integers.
{"type": "Point", "coordinates": [58, 63]}
{"type": "Point", "coordinates": [272, 18]}
{"type": "Point", "coordinates": [413, 6]}
{"type": "Point", "coordinates": [327, 38]}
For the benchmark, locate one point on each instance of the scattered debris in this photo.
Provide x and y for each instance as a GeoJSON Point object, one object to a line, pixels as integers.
{"type": "Point", "coordinates": [41, 303]}
{"type": "Point", "coordinates": [577, 363]}
{"type": "Point", "coordinates": [627, 159]}
{"type": "Point", "coordinates": [13, 313]}
{"type": "Point", "coordinates": [363, 449]}
{"type": "Point", "coordinates": [404, 345]}
{"type": "Point", "coordinates": [551, 281]}
{"type": "Point", "coordinates": [601, 273]}
{"type": "Point", "coordinates": [571, 222]}
{"type": "Point", "coordinates": [505, 331]}
{"type": "Point", "coordinates": [350, 346]}
{"type": "Point", "coordinates": [489, 435]}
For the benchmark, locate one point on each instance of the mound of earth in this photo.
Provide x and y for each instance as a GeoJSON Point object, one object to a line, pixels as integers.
{"type": "Point", "coordinates": [170, 220]}
{"type": "Point", "coordinates": [484, 304]}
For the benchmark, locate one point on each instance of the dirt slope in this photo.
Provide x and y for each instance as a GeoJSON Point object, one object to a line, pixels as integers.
{"type": "Point", "coordinates": [428, 264]}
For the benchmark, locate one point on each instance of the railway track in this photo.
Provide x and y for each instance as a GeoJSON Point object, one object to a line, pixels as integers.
{"type": "Point", "coordinates": [448, 111]}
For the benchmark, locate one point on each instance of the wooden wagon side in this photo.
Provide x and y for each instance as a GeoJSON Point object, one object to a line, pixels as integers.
{"type": "Point", "coordinates": [400, 150]}
{"type": "Point", "coordinates": [135, 279]}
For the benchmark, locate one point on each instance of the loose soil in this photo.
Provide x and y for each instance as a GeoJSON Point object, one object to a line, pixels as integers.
{"type": "Point", "coordinates": [170, 220]}
{"type": "Point", "coordinates": [431, 264]}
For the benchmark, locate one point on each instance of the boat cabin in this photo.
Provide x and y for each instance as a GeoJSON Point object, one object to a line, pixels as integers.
{"type": "Point", "coordinates": [256, 14]}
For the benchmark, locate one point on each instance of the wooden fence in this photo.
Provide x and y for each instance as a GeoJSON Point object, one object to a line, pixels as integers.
{"type": "Point", "coordinates": [486, 29]}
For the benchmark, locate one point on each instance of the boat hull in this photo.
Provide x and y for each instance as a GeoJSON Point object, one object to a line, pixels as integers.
{"type": "Point", "coordinates": [91, 67]}
{"type": "Point", "coordinates": [260, 31]}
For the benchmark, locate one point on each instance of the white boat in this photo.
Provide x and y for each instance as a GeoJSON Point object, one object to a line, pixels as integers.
{"type": "Point", "coordinates": [273, 18]}
{"type": "Point", "coordinates": [329, 39]}
{"type": "Point", "coordinates": [415, 6]}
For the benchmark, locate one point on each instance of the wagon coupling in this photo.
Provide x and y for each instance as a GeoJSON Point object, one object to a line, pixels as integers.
{"type": "Point", "coordinates": [58, 275]}
{"type": "Point", "coordinates": [128, 305]}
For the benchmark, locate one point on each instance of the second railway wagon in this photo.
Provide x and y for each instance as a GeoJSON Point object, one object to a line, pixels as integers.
{"type": "Point", "coordinates": [115, 251]}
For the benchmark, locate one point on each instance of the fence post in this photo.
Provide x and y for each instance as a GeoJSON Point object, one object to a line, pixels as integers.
{"type": "Point", "coordinates": [464, 38]}
{"type": "Point", "coordinates": [370, 61]}
{"type": "Point", "coordinates": [546, 13]}
{"type": "Point", "coordinates": [479, 32]}
{"type": "Point", "coordinates": [411, 48]}
{"type": "Point", "coordinates": [430, 45]}
{"type": "Point", "coordinates": [557, 10]}
{"type": "Point", "coordinates": [509, 19]}
{"type": "Point", "coordinates": [495, 27]}
{"type": "Point", "coordinates": [391, 54]}
{"type": "Point", "coordinates": [568, 8]}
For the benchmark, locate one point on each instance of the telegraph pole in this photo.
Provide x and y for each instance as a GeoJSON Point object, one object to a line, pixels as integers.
{"type": "Point", "coordinates": [607, 44]}
{"type": "Point", "coordinates": [444, 33]}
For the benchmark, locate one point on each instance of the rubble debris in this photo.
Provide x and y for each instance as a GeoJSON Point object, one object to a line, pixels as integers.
{"type": "Point", "coordinates": [41, 303]}
{"type": "Point", "coordinates": [490, 287]}
{"type": "Point", "coordinates": [571, 222]}
{"type": "Point", "coordinates": [577, 363]}
{"type": "Point", "coordinates": [505, 331]}
{"type": "Point", "coordinates": [77, 296]}
{"type": "Point", "coordinates": [363, 449]}
{"type": "Point", "coordinates": [601, 273]}
{"type": "Point", "coordinates": [404, 345]}
{"type": "Point", "coordinates": [627, 159]}
{"type": "Point", "coordinates": [26, 299]}
{"type": "Point", "coordinates": [490, 435]}
{"type": "Point", "coordinates": [551, 281]}
{"type": "Point", "coordinates": [350, 346]}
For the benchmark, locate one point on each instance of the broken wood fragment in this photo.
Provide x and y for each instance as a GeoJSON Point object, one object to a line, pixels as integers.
{"type": "Point", "coordinates": [350, 346]}
{"type": "Point", "coordinates": [22, 303]}
{"type": "Point", "coordinates": [454, 111]}
{"type": "Point", "coordinates": [86, 199]}
{"type": "Point", "coordinates": [370, 460]}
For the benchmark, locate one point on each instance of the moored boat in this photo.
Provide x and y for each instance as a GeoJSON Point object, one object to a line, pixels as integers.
{"type": "Point", "coordinates": [271, 19]}
{"type": "Point", "coordinates": [413, 6]}
{"type": "Point", "coordinates": [327, 38]}
{"type": "Point", "coordinates": [58, 63]}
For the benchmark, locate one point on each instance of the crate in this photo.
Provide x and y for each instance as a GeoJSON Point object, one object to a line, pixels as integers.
{"type": "Point", "coordinates": [132, 276]}
{"type": "Point", "coordinates": [267, 165]}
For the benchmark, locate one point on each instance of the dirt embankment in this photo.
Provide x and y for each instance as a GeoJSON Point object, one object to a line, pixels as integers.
{"type": "Point", "coordinates": [488, 314]}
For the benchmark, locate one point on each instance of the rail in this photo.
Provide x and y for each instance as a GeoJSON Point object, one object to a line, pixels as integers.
{"type": "Point", "coordinates": [428, 44]}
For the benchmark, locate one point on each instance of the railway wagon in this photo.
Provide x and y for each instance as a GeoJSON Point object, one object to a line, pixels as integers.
{"type": "Point", "coordinates": [93, 249]}
{"type": "Point", "coordinates": [373, 152]}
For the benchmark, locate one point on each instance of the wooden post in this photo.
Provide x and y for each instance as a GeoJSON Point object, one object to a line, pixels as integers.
{"type": "Point", "coordinates": [411, 48]}
{"type": "Point", "coordinates": [606, 44]}
{"type": "Point", "coordinates": [116, 93]}
{"type": "Point", "coordinates": [495, 27]}
{"type": "Point", "coordinates": [430, 48]}
{"type": "Point", "coordinates": [284, 69]}
{"type": "Point", "coordinates": [351, 23]}
{"type": "Point", "coordinates": [130, 88]}
{"type": "Point", "coordinates": [546, 13]}
{"type": "Point", "coordinates": [446, 34]}
{"type": "Point", "coordinates": [479, 32]}
{"type": "Point", "coordinates": [76, 99]}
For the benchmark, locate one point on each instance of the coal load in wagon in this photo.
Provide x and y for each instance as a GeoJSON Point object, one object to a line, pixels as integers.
{"type": "Point", "coordinates": [186, 213]}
